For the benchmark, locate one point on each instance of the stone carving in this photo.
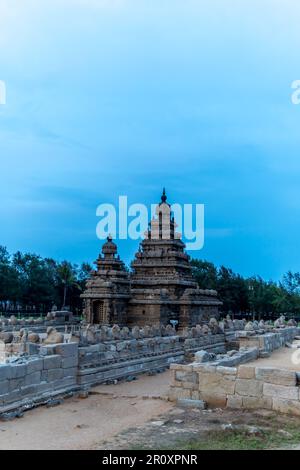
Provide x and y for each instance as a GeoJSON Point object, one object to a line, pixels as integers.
{"type": "Point", "coordinates": [33, 337]}
{"type": "Point", "coordinates": [249, 326]}
{"type": "Point", "coordinates": [53, 336]}
{"type": "Point", "coordinates": [6, 337]}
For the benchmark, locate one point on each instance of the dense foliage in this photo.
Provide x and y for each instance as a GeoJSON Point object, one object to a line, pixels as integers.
{"type": "Point", "coordinates": [250, 295]}
{"type": "Point", "coordinates": [30, 283]}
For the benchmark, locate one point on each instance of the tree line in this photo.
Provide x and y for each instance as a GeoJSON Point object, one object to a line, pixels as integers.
{"type": "Point", "coordinates": [253, 295]}
{"type": "Point", "coordinates": [31, 284]}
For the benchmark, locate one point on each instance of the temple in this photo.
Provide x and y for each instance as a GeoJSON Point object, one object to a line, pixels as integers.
{"type": "Point", "coordinates": [160, 288]}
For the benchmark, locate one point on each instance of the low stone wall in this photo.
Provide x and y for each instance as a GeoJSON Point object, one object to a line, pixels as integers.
{"type": "Point", "coordinates": [265, 387]}
{"type": "Point", "coordinates": [268, 342]}
{"type": "Point", "coordinates": [208, 381]}
{"type": "Point", "coordinates": [230, 382]}
{"type": "Point", "coordinates": [39, 378]}
{"type": "Point", "coordinates": [45, 371]}
{"type": "Point", "coordinates": [245, 387]}
{"type": "Point", "coordinates": [118, 359]}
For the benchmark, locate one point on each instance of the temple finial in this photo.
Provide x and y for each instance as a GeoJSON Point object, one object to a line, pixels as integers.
{"type": "Point", "coordinates": [164, 197]}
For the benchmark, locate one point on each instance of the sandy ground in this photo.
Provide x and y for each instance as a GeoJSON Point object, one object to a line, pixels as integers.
{"type": "Point", "coordinates": [283, 358]}
{"type": "Point", "coordinates": [88, 423]}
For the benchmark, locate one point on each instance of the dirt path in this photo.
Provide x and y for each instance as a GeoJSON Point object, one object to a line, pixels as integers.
{"type": "Point", "coordinates": [88, 423]}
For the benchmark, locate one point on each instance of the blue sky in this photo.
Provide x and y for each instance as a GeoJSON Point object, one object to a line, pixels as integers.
{"type": "Point", "coordinates": [115, 97]}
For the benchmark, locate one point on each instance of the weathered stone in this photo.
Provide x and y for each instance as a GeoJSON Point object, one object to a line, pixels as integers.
{"type": "Point", "coordinates": [276, 376]}
{"type": "Point", "coordinates": [249, 326]}
{"type": "Point", "coordinates": [4, 387]}
{"type": "Point", "coordinates": [226, 370]}
{"type": "Point", "coordinates": [33, 378]}
{"type": "Point", "coordinates": [68, 362]}
{"type": "Point", "coordinates": [52, 362]}
{"type": "Point", "coordinates": [67, 349]}
{"type": "Point", "coordinates": [246, 372]}
{"type": "Point", "coordinates": [188, 403]}
{"type": "Point", "coordinates": [55, 374]}
{"type": "Point", "coordinates": [257, 402]}
{"type": "Point", "coordinates": [281, 391]}
{"type": "Point", "coordinates": [34, 365]}
{"type": "Point", "coordinates": [216, 383]}
{"type": "Point", "coordinates": [5, 372]}
{"type": "Point", "coordinates": [176, 393]}
{"type": "Point", "coordinates": [249, 387]}
{"type": "Point", "coordinates": [291, 407]}
{"type": "Point", "coordinates": [53, 337]}
{"type": "Point", "coordinates": [6, 337]}
{"type": "Point", "coordinates": [214, 399]}
{"type": "Point", "coordinates": [202, 356]}
{"type": "Point", "coordinates": [33, 337]}
{"type": "Point", "coordinates": [234, 401]}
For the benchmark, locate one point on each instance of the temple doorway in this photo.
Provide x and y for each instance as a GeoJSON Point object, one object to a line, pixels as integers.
{"type": "Point", "coordinates": [99, 316]}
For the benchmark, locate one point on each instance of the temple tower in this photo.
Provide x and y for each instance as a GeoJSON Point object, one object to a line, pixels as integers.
{"type": "Point", "coordinates": [162, 286]}
{"type": "Point", "coordinates": [108, 289]}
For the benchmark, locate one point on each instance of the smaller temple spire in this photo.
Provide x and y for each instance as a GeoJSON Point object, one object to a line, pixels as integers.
{"type": "Point", "coordinates": [164, 197]}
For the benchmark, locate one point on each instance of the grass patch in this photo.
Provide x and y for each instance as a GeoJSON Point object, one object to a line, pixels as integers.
{"type": "Point", "coordinates": [240, 440]}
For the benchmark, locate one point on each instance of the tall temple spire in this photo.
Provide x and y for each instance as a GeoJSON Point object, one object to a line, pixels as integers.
{"type": "Point", "coordinates": [164, 197]}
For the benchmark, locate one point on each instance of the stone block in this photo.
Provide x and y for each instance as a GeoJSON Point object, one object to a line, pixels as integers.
{"type": "Point", "coordinates": [276, 376]}
{"type": "Point", "coordinates": [195, 395]}
{"type": "Point", "coordinates": [214, 399]}
{"type": "Point", "coordinates": [190, 385]}
{"type": "Point", "coordinates": [176, 393]}
{"type": "Point", "coordinates": [188, 403]}
{"type": "Point", "coordinates": [291, 407]}
{"type": "Point", "coordinates": [71, 361]}
{"type": "Point", "coordinates": [18, 370]}
{"type": "Point", "coordinates": [15, 384]}
{"type": "Point", "coordinates": [257, 402]}
{"type": "Point", "coordinates": [55, 374]}
{"type": "Point", "coordinates": [5, 372]}
{"type": "Point", "coordinates": [246, 372]}
{"type": "Point", "coordinates": [30, 390]}
{"type": "Point", "coordinates": [34, 366]}
{"type": "Point", "coordinates": [217, 383]}
{"type": "Point", "coordinates": [66, 349]}
{"type": "Point", "coordinates": [4, 387]}
{"type": "Point", "coordinates": [234, 401]}
{"type": "Point", "coordinates": [281, 391]}
{"type": "Point", "coordinates": [47, 350]}
{"type": "Point", "coordinates": [70, 372]}
{"type": "Point", "coordinates": [249, 387]}
{"type": "Point", "coordinates": [204, 367]}
{"type": "Point", "coordinates": [52, 362]}
{"type": "Point", "coordinates": [65, 382]}
{"type": "Point", "coordinates": [33, 378]}
{"type": "Point", "coordinates": [226, 370]}
{"type": "Point", "coordinates": [186, 367]}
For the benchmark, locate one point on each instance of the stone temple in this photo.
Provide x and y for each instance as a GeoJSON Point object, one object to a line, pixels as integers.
{"type": "Point", "coordinates": [159, 289]}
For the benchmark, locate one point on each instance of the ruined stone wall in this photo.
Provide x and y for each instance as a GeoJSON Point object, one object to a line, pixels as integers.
{"type": "Point", "coordinates": [245, 387]}
{"type": "Point", "coordinates": [230, 382]}
{"type": "Point", "coordinates": [268, 341]}
{"type": "Point", "coordinates": [119, 359]}
{"type": "Point", "coordinates": [38, 378]}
